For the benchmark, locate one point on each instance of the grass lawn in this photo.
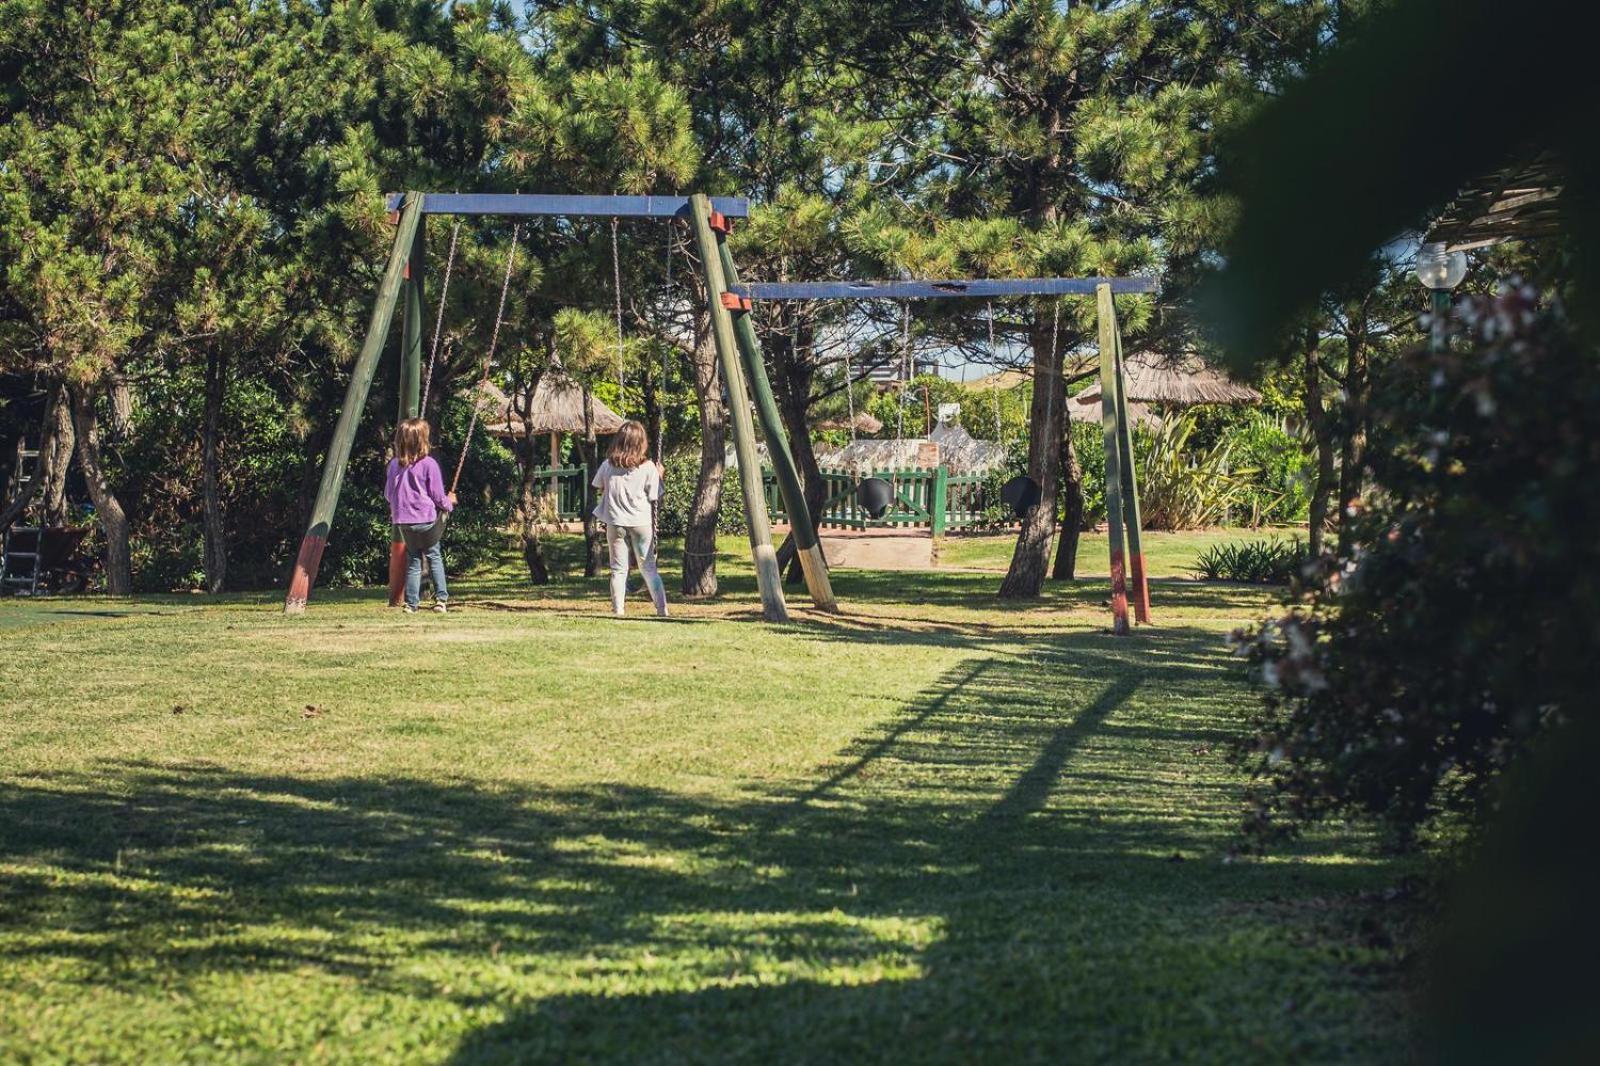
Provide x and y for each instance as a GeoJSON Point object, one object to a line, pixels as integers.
{"type": "Point", "coordinates": [934, 827]}
{"type": "Point", "coordinates": [1166, 554]}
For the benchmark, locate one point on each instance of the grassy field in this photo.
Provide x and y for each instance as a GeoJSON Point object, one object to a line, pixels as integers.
{"type": "Point", "coordinates": [933, 827]}
{"type": "Point", "coordinates": [1166, 554]}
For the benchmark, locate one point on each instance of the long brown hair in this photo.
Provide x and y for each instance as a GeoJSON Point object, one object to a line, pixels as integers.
{"type": "Point", "coordinates": [629, 447]}
{"type": "Point", "coordinates": [411, 444]}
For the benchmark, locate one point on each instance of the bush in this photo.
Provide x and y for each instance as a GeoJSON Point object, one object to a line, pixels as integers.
{"type": "Point", "coordinates": [157, 473]}
{"type": "Point", "coordinates": [1261, 562]}
{"type": "Point", "coordinates": [1180, 488]}
{"type": "Point", "coordinates": [678, 485]}
{"type": "Point", "coordinates": [1403, 679]}
{"type": "Point", "coordinates": [1280, 471]}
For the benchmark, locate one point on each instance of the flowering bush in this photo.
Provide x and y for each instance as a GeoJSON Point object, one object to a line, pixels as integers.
{"type": "Point", "coordinates": [1401, 680]}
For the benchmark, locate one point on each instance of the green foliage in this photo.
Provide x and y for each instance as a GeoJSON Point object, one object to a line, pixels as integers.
{"type": "Point", "coordinates": [1262, 562]}
{"type": "Point", "coordinates": [1278, 468]}
{"type": "Point", "coordinates": [1180, 488]}
{"type": "Point", "coordinates": [1405, 677]}
{"type": "Point", "coordinates": [678, 485]}
{"type": "Point", "coordinates": [1088, 443]}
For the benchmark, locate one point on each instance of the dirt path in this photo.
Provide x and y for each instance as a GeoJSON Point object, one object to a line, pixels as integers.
{"type": "Point", "coordinates": [875, 550]}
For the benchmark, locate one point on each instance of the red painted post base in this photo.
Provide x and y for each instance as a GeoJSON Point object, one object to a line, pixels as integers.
{"type": "Point", "coordinates": [1119, 595]}
{"type": "Point", "coordinates": [397, 572]}
{"type": "Point", "coordinates": [1141, 591]}
{"type": "Point", "coordinates": [305, 573]}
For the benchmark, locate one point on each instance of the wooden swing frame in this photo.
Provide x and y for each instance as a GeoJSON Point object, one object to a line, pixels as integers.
{"type": "Point", "coordinates": [729, 303]}
{"type": "Point", "coordinates": [709, 220]}
{"type": "Point", "coordinates": [1122, 489]}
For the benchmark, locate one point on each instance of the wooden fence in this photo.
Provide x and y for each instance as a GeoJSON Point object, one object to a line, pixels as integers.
{"type": "Point", "coordinates": [936, 499]}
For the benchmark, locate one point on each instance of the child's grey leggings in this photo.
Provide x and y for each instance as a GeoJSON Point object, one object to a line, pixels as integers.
{"type": "Point", "coordinates": [619, 539]}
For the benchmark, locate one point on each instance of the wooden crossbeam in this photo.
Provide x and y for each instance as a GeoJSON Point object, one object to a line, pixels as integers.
{"type": "Point", "coordinates": [932, 290]}
{"type": "Point", "coordinates": [515, 204]}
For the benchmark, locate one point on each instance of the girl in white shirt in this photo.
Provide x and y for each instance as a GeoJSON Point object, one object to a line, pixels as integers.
{"type": "Point", "coordinates": [628, 482]}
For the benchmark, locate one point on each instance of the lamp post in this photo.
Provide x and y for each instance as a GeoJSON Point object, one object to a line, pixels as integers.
{"type": "Point", "coordinates": [1440, 270]}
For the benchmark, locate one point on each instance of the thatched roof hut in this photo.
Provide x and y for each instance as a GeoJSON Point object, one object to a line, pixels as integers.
{"type": "Point", "coordinates": [1140, 413]}
{"type": "Point", "coordinates": [557, 408]}
{"type": "Point", "coordinates": [1178, 381]}
{"type": "Point", "coordinates": [864, 423]}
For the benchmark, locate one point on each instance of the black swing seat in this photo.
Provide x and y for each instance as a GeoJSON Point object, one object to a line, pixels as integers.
{"type": "Point", "coordinates": [875, 495]}
{"type": "Point", "coordinates": [1021, 494]}
{"type": "Point", "coordinates": [420, 540]}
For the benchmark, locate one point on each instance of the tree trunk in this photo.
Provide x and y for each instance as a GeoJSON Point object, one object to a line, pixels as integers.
{"type": "Point", "coordinates": [653, 398]}
{"type": "Point", "coordinates": [55, 459]}
{"type": "Point", "coordinates": [1066, 565]}
{"type": "Point", "coordinates": [530, 519]}
{"type": "Point", "coordinates": [792, 381]}
{"type": "Point", "coordinates": [532, 528]}
{"type": "Point", "coordinates": [1030, 559]}
{"type": "Point", "coordinates": [1353, 448]}
{"type": "Point", "coordinates": [593, 545]}
{"type": "Point", "coordinates": [49, 481]}
{"type": "Point", "coordinates": [700, 534]}
{"type": "Point", "coordinates": [108, 510]}
{"type": "Point", "coordinates": [216, 531]}
{"type": "Point", "coordinates": [1322, 433]}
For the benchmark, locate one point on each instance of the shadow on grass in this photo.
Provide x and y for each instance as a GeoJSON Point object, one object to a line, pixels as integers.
{"type": "Point", "coordinates": [1015, 865]}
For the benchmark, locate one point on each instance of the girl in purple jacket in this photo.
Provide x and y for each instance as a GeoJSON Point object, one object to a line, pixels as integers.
{"type": "Point", "coordinates": [418, 502]}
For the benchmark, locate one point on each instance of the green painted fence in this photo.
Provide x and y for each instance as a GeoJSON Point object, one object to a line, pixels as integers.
{"type": "Point", "coordinates": [569, 489]}
{"type": "Point", "coordinates": [933, 499]}
{"type": "Point", "coordinates": [923, 499]}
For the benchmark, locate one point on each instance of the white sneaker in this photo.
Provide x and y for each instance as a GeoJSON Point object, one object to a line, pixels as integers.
{"type": "Point", "coordinates": [440, 608]}
{"type": "Point", "coordinates": [411, 608]}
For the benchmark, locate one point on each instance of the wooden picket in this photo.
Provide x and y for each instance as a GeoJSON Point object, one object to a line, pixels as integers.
{"type": "Point", "coordinates": [923, 499]}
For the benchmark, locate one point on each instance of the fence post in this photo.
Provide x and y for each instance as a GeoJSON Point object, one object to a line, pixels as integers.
{"type": "Point", "coordinates": [1106, 314]}
{"type": "Point", "coordinates": [941, 497]}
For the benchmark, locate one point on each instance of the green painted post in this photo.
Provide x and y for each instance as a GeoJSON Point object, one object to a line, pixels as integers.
{"type": "Point", "coordinates": [1106, 313]}
{"type": "Point", "coordinates": [941, 497]}
{"type": "Point", "coordinates": [1130, 485]}
{"type": "Point", "coordinates": [804, 530]}
{"type": "Point", "coordinates": [355, 398]}
{"type": "Point", "coordinates": [411, 326]}
{"type": "Point", "coordinates": [768, 579]}
{"type": "Point", "coordinates": [1439, 301]}
{"type": "Point", "coordinates": [410, 390]}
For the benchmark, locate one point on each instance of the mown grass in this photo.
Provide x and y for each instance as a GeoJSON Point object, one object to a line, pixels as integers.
{"type": "Point", "coordinates": [934, 827]}
{"type": "Point", "coordinates": [1166, 554]}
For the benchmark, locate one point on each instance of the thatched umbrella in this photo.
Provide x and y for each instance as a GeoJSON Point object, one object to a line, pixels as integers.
{"type": "Point", "coordinates": [1180, 381]}
{"type": "Point", "coordinates": [864, 423]}
{"type": "Point", "coordinates": [1138, 412]}
{"type": "Point", "coordinates": [557, 408]}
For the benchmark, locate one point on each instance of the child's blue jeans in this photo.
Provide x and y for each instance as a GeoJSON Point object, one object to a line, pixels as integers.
{"type": "Point", "coordinates": [435, 558]}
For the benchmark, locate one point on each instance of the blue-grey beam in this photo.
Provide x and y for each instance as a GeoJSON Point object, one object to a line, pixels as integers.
{"type": "Point", "coordinates": [497, 203]}
{"type": "Point", "coordinates": [932, 290]}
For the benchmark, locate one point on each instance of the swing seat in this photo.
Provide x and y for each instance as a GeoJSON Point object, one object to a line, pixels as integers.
{"type": "Point", "coordinates": [420, 540]}
{"type": "Point", "coordinates": [875, 496]}
{"type": "Point", "coordinates": [1021, 494]}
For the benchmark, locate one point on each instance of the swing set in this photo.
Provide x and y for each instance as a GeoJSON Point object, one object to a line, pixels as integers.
{"type": "Point", "coordinates": [729, 303]}
{"type": "Point", "coordinates": [1023, 494]}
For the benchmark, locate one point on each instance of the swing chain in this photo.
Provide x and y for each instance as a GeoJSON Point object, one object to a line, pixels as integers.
{"type": "Point", "coordinates": [438, 322]}
{"type": "Point", "coordinates": [616, 290]}
{"type": "Point", "coordinates": [849, 391]}
{"type": "Point", "coordinates": [994, 385]}
{"type": "Point", "coordinates": [488, 356]}
{"type": "Point", "coordinates": [905, 369]}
